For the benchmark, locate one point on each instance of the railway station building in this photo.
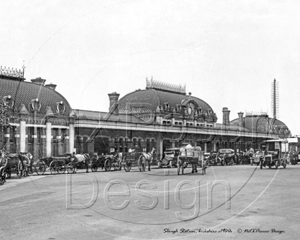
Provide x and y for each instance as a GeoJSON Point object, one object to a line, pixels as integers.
{"type": "Point", "coordinates": [40, 120]}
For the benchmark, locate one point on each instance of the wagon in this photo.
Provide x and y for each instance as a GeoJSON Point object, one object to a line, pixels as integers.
{"type": "Point", "coordinates": [191, 155]}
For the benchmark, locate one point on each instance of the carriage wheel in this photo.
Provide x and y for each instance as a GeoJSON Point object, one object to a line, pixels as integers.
{"type": "Point", "coordinates": [127, 167]}
{"type": "Point", "coordinates": [107, 165]}
{"type": "Point", "coordinates": [70, 168]}
{"type": "Point", "coordinates": [20, 169]}
{"type": "Point", "coordinates": [53, 167]}
{"type": "Point", "coordinates": [40, 168]}
{"type": "Point", "coordinates": [61, 168]}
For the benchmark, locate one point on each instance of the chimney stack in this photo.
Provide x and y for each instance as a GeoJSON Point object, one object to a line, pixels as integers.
{"type": "Point", "coordinates": [226, 113]}
{"type": "Point", "coordinates": [51, 86]}
{"type": "Point", "coordinates": [38, 81]}
{"type": "Point", "coordinates": [113, 102]}
{"type": "Point", "coordinates": [241, 119]}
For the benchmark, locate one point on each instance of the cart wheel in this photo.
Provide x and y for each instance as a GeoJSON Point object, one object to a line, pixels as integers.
{"type": "Point", "coordinates": [127, 167]}
{"type": "Point", "coordinates": [20, 169]}
{"type": "Point", "coordinates": [107, 165]}
{"type": "Point", "coordinates": [53, 167]}
{"type": "Point", "coordinates": [70, 168]}
{"type": "Point", "coordinates": [61, 168]}
{"type": "Point", "coordinates": [40, 168]}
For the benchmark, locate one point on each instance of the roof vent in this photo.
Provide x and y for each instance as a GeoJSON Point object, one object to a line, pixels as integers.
{"type": "Point", "coordinates": [38, 81]}
{"type": "Point", "coordinates": [51, 86]}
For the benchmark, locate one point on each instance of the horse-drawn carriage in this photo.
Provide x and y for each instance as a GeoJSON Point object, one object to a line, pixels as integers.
{"type": "Point", "coordinates": [113, 161]}
{"type": "Point", "coordinates": [191, 155]}
{"type": "Point", "coordinates": [20, 163]}
{"type": "Point", "coordinates": [67, 162]}
{"type": "Point", "coordinates": [140, 159]}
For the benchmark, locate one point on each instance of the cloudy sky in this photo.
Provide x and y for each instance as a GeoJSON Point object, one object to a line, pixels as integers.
{"type": "Point", "coordinates": [226, 52]}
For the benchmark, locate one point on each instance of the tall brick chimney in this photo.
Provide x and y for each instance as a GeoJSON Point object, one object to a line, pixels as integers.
{"type": "Point", "coordinates": [241, 119]}
{"type": "Point", "coordinates": [114, 102]}
{"type": "Point", "coordinates": [226, 113]}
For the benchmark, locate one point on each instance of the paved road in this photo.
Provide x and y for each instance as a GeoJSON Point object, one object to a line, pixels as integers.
{"type": "Point", "coordinates": [232, 202]}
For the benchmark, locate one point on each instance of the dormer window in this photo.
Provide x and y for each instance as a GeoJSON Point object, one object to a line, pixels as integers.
{"type": "Point", "coordinates": [166, 106]}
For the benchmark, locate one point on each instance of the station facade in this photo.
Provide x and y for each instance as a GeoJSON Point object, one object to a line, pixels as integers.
{"type": "Point", "coordinates": [41, 121]}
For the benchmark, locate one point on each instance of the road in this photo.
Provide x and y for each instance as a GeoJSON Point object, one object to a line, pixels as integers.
{"type": "Point", "coordinates": [231, 202]}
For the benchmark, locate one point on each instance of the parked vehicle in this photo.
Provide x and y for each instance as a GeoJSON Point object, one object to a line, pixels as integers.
{"type": "Point", "coordinates": [191, 155]}
{"type": "Point", "coordinates": [294, 150]}
{"type": "Point", "coordinates": [226, 156]}
{"type": "Point", "coordinates": [169, 158]}
{"type": "Point", "coordinates": [273, 154]}
{"type": "Point", "coordinates": [211, 158]}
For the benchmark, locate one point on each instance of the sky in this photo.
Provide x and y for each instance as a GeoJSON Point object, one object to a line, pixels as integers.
{"type": "Point", "coordinates": [225, 52]}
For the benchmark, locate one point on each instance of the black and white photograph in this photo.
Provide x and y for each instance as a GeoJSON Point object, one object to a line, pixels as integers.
{"type": "Point", "coordinates": [149, 119]}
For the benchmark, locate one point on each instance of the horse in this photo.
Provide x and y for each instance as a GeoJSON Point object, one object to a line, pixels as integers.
{"type": "Point", "coordinates": [81, 158]}
{"type": "Point", "coordinates": [21, 162]}
{"type": "Point", "coordinates": [27, 161]}
{"type": "Point", "coordinates": [97, 161]}
{"type": "Point", "coordinates": [147, 157]}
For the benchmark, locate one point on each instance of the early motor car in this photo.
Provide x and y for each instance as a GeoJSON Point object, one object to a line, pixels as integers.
{"type": "Point", "coordinates": [274, 154]}
{"type": "Point", "coordinates": [226, 156]}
